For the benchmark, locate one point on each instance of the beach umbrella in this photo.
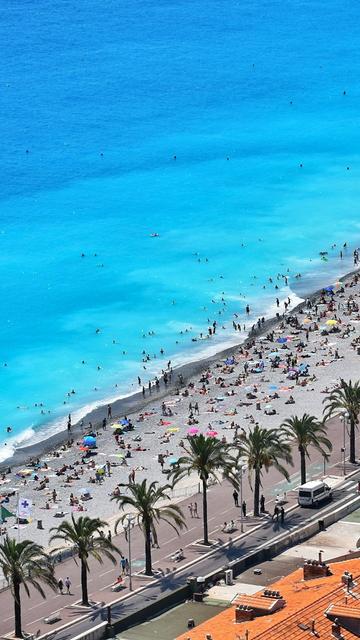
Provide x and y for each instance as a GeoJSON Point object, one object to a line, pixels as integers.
{"type": "Point", "coordinates": [330, 288]}
{"type": "Point", "coordinates": [24, 472]}
{"type": "Point", "coordinates": [281, 340]}
{"type": "Point", "coordinates": [212, 433]}
{"type": "Point", "coordinates": [331, 322]}
{"type": "Point", "coordinates": [124, 422]}
{"type": "Point", "coordinates": [193, 431]}
{"type": "Point", "coordinates": [100, 470]}
{"type": "Point", "coordinates": [229, 361]}
{"type": "Point", "coordinates": [172, 429]}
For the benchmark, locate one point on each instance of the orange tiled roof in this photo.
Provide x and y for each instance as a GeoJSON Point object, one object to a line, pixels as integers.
{"type": "Point", "coordinates": [344, 611]}
{"type": "Point", "coordinates": [305, 601]}
{"type": "Point", "coordinates": [259, 603]}
{"type": "Point", "coordinates": [315, 611]}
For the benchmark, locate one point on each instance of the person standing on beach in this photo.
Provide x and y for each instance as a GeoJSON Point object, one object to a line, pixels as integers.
{"type": "Point", "coordinates": [109, 412]}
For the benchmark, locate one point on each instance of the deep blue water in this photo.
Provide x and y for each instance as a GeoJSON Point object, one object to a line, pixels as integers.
{"type": "Point", "coordinates": [96, 100]}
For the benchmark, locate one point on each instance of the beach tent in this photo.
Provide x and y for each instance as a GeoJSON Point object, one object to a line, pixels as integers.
{"type": "Point", "coordinates": [89, 441]}
{"type": "Point", "coordinates": [5, 513]}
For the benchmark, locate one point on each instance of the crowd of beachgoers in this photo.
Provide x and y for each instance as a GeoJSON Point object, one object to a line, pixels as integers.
{"type": "Point", "coordinates": [283, 371]}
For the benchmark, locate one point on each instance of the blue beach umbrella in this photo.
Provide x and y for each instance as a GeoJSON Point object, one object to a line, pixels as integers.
{"type": "Point", "coordinates": [125, 423]}
{"type": "Point", "coordinates": [281, 340]}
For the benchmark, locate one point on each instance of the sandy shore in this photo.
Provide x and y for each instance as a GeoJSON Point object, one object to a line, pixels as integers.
{"type": "Point", "coordinates": [226, 395]}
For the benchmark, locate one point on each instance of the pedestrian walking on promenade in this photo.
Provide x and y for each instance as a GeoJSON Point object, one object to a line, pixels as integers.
{"type": "Point", "coordinates": [262, 504]}
{"type": "Point", "coordinates": [191, 510]}
{"type": "Point", "coordinates": [60, 586]}
{"type": "Point", "coordinates": [282, 515]}
{"type": "Point", "coordinates": [236, 498]}
{"type": "Point", "coordinates": [195, 510]}
{"type": "Point", "coordinates": [243, 507]}
{"type": "Point", "coordinates": [68, 585]}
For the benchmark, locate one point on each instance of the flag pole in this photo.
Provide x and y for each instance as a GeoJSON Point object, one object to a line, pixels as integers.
{"type": "Point", "coordinates": [18, 517]}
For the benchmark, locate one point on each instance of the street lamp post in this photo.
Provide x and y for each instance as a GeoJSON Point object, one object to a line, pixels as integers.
{"type": "Point", "coordinates": [130, 520]}
{"type": "Point", "coordinates": [241, 499]}
{"type": "Point", "coordinates": [345, 417]}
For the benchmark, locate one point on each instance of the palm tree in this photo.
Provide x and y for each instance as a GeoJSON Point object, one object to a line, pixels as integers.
{"type": "Point", "coordinates": [308, 432]}
{"type": "Point", "coordinates": [144, 500]}
{"type": "Point", "coordinates": [346, 398]}
{"type": "Point", "coordinates": [25, 563]}
{"type": "Point", "coordinates": [87, 538]}
{"type": "Point", "coordinates": [207, 457]}
{"type": "Point", "coordinates": [262, 449]}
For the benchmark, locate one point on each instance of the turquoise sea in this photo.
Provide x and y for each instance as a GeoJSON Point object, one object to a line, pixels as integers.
{"type": "Point", "coordinates": [259, 100]}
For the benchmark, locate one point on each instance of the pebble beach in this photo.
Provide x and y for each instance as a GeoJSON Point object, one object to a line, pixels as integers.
{"type": "Point", "coordinates": [285, 368]}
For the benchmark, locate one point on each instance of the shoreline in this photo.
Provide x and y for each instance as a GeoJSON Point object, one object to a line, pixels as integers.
{"type": "Point", "coordinates": [136, 402]}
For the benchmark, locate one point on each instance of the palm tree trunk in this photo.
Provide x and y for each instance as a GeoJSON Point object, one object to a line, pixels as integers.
{"type": "Point", "coordinates": [205, 512]}
{"type": "Point", "coordinates": [148, 563]}
{"type": "Point", "coordinates": [257, 493]}
{"type": "Point", "coordinates": [352, 442]}
{"type": "Point", "coordinates": [302, 465]}
{"type": "Point", "coordinates": [84, 585]}
{"type": "Point", "coordinates": [17, 610]}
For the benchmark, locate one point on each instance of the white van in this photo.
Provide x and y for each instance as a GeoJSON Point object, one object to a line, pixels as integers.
{"type": "Point", "coordinates": [313, 493]}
